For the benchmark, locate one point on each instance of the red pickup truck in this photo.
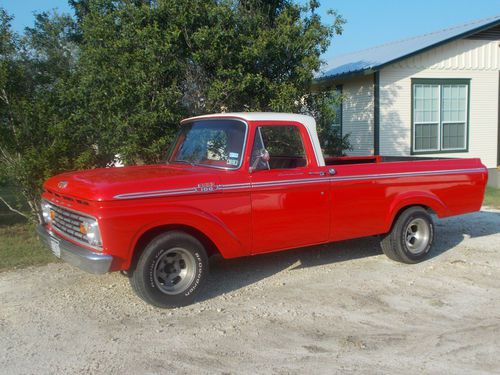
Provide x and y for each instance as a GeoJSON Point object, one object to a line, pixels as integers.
{"type": "Point", "coordinates": [240, 184]}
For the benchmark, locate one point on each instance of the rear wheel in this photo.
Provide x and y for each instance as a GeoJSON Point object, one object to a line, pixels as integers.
{"type": "Point", "coordinates": [170, 271]}
{"type": "Point", "coordinates": [411, 237]}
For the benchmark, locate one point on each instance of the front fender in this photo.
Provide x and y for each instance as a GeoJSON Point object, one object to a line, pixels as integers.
{"type": "Point", "coordinates": [123, 226]}
{"type": "Point", "coordinates": [217, 231]}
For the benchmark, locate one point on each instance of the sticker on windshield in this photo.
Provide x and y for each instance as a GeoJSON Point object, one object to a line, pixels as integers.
{"type": "Point", "coordinates": [232, 161]}
{"type": "Point", "coordinates": [234, 155]}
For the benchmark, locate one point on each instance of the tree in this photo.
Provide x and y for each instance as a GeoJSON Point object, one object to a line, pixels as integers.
{"type": "Point", "coordinates": [118, 77]}
{"type": "Point", "coordinates": [129, 85]}
{"type": "Point", "coordinates": [35, 139]}
{"type": "Point", "coordinates": [144, 65]}
{"type": "Point", "coordinates": [322, 106]}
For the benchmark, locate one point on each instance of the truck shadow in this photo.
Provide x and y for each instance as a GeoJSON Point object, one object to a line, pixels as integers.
{"type": "Point", "coordinates": [450, 232]}
{"type": "Point", "coordinates": [232, 274]}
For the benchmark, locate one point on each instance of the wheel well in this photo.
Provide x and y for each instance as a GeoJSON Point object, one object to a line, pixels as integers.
{"type": "Point", "coordinates": [429, 210]}
{"type": "Point", "coordinates": [148, 236]}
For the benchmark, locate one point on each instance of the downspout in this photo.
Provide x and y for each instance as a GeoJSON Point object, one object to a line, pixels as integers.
{"type": "Point", "coordinates": [376, 113]}
{"type": "Point", "coordinates": [498, 118]}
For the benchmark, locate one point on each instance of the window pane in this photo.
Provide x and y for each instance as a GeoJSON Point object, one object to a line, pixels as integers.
{"type": "Point", "coordinates": [426, 136]}
{"type": "Point", "coordinates": [211, 142]}
{"type": "Point", "coordinates": [337, 121]}
{"type": "Point", "coordinates": [440, 109]}
{"type": "Point", "coordinates": [285, 147]}
{"type": "Point", "coordinates": [453, 101]}
{"type": "Point", "coordinates": [257, 161]}
{"type": "Point", "coordinates": [454, 136]}
{"type": "Point", "coordinates": [426, 103]}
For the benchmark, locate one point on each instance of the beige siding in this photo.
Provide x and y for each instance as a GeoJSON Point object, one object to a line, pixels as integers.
{"type": "Point", "coordinates": [357, 114]}
{"type": "Point", "coordinates": [477, 60]}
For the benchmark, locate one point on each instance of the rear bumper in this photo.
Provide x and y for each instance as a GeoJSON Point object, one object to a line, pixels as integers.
{"type": "Point", "coordinates": [75, 255]}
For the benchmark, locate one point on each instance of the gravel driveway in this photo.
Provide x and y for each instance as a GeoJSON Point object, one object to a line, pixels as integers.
{"type": "Point", "coordinates": [340, 308]}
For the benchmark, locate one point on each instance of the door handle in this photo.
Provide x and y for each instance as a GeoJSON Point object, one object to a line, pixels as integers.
{"type": "Point", "coordinates": [332, 171]}
{"type": "Point", "coordinates": [320, 173]}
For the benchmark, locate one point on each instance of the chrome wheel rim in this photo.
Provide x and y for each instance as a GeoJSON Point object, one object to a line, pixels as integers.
{"type": "Point", "coordinates": [417, 236]}
{"type": "Point", "coordinates": [174, 271]}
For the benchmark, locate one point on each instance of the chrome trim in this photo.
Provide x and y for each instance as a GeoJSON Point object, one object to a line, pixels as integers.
{"type": "Point", "coordinates": [72, 238]}
{"type": "Point", "coordinates": [154, 193]}
{"type": "Point", "coordinates": [407, 174]}
{"type": "Point", "coordinates": [77, 256]}
{"type": "Point", "coordinates": [188, 121]}
{"type": "Point", "coordinates": [65, 235]}
{"type": "Point", "coordinates": [238, 186]}
{"type": "Point", "coordinates": [70, 209]}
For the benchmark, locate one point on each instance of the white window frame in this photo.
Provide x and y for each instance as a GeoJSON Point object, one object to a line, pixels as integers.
{"type": "Point", "coordinates": [440, 123]}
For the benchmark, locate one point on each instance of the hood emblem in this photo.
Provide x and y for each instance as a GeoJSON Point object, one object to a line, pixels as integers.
{"type": "Point", "coordinates": [62, 184]}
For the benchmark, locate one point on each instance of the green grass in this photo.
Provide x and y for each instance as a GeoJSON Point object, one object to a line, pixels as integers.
{"type": "Point", "coordinates": [19, 245]}
{"type": "Point", "coordinates": [492, 197]}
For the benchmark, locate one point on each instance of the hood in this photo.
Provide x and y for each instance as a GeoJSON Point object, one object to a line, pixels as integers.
{"type": "Point", "coordinates": [104, 184]}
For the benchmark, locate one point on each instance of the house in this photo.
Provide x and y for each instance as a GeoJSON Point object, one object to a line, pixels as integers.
{"type": "Point", "coordinates": [432, 95]}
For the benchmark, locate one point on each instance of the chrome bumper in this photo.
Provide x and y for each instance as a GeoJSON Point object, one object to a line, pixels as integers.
{"type": "Point", "coordinates": [76, 255]}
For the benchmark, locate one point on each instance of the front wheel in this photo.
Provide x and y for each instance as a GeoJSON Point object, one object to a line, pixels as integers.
{"type": "Point", "coordinates": [170, 271]}
{"type": "Point", "coordinates": [411, 237]}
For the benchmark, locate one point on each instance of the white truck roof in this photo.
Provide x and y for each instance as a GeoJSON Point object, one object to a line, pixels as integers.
{"type": "Point", "coordinates": [307, 121]}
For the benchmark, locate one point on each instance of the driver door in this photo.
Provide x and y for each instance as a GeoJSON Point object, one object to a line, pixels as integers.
{"type": "Point", "coordinates": [290, 195]}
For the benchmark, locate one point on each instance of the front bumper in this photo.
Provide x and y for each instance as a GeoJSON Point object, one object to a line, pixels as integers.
{"type": "Point", "coordinates": [75, 255]}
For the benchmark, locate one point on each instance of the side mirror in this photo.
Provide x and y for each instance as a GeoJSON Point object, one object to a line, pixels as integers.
{"type": "Point", "coordinates": [263, 157]}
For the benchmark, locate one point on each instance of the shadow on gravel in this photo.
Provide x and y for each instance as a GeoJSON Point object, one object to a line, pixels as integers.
{"type": "Point", "coordinates": [232, 274]}
{"type": "Point", "coordinates": [450, 232]}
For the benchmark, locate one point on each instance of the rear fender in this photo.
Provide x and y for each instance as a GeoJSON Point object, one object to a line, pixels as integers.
{"type": "Point", "coordinates": [417, 198]}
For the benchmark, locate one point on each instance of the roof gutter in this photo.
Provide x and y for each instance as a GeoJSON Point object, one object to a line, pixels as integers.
{"type": "Point", "coordinates": [323, 83]}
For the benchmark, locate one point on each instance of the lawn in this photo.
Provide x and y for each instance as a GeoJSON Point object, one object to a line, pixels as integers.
{"type": "Point", "coordinates": [19, 246]}
{"type": "Point", "coordinates": [492, 197]}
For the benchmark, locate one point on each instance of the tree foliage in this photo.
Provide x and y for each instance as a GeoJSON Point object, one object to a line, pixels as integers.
{"type": "Point", "coordinates": [118, 76]}
{"type": "Point", "coordinates": [35, 134]}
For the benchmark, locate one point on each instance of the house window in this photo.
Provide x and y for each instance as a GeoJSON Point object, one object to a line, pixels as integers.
{"type": "Point", "coordinates": [337, 122]}
{"type": "Point", "coordinates": [440, 115]}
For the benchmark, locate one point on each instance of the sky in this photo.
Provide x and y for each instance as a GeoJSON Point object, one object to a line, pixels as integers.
{"type": "Point", "coordinates": [369, 22]}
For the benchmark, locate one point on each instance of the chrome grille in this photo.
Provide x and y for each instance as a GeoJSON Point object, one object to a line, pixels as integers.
{"type": "Point", "coordinates": [68, 223]}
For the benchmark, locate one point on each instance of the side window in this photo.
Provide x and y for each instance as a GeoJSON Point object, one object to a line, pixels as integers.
{"type": "Point", "coordinates": [278, 147]}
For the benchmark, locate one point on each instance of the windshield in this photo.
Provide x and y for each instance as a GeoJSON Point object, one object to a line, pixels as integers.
{"type": "Point", "coordinates": [214, 143]}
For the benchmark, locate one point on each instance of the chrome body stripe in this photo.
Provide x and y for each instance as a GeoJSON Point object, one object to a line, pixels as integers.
{"type": "Point", "coordinates": [296, 181]}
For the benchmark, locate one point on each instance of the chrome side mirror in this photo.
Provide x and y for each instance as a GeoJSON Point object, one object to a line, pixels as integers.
{"type": "Point", "coordinates": [264, 157]}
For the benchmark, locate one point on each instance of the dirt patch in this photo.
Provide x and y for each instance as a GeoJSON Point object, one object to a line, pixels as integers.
{"type": "Point", "coordinates": [341, 308]}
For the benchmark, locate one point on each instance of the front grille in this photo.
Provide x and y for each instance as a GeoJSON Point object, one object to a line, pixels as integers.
{"type": "Point", "coordinates": [68, 222]}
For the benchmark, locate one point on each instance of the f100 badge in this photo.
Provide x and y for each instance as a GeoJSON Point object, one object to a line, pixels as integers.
{"type": "Point", "coordinates": [207, 187]}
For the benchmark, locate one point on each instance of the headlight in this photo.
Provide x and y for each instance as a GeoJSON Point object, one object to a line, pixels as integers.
{"type": "Point", "coordinates": [46, 212]}
{"type": "Point", "coordinates": [90, 228]}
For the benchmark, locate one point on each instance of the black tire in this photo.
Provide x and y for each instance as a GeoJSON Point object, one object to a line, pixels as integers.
{"type": "Point", "coordinates": [411, 237]}
{"type": "Point", "coordinates": [170, 271]}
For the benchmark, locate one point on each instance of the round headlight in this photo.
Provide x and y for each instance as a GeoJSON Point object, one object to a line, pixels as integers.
{"type": "Point", "coordinates": [46, 212]}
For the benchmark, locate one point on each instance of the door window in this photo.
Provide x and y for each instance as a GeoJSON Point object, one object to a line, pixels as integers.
{"type": "Point", "coordinates": [278, 147]}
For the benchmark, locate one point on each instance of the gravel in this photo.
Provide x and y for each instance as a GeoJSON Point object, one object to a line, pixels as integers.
{"type": "Point", "coordinates": [339, 308]}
